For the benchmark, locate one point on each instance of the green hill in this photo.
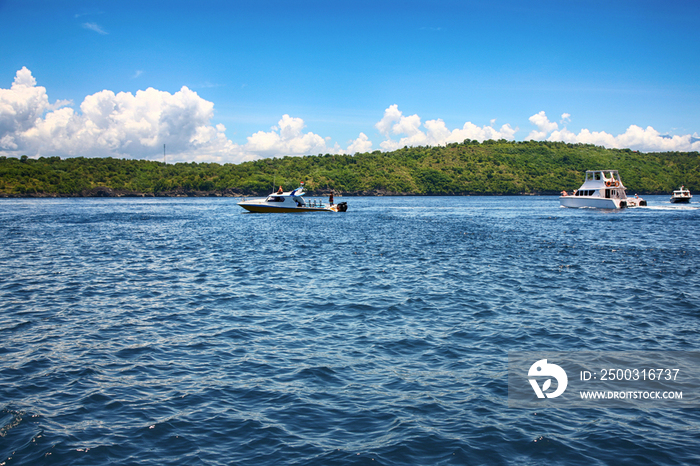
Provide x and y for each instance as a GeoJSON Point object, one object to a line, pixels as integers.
{"type": "Point", "coordinates": [491, 167]}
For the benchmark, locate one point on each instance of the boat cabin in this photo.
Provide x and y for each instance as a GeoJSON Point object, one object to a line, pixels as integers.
{"type": "Point", "coordinates": [602, 189]}
{"type": "Point", "coordinates": [681, 195]}
{"type": "Point", "coordinates": [290, 198]}
{"type": "Point", "coordinates": [607, 177]}
{"type": "Point", "coordinates": [602, 183]}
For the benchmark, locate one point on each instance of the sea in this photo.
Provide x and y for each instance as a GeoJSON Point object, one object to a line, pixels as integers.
{"type": "Point", "coordinates": [187, 331]}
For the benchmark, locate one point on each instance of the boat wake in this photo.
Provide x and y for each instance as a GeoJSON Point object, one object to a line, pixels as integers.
{"type": "Point", "coordinates": [674, 207]}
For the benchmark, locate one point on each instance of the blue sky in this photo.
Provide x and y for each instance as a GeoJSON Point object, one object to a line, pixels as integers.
{"type": "Point", "coordinates": [238, 80]}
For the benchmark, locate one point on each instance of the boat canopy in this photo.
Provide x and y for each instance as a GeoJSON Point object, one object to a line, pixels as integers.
{"type": "Point", "coordinates": [602, 175]}
{"type": "Point", "coordinates": [279, 196]}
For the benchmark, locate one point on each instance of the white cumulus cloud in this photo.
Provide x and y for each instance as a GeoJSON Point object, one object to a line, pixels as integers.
{"type": "Point", "coordinates": [287, 138]}
{"type": "Point", "coordinates": [137, 125]}
{"type": "Point", "coordinates": [361, 144]}
{"type": "Point", "coordinates": [544, 126]}
{"type": "Point", "coordinates": [391, 115]}
{"type": "Point", "coordinates": [108, 124]}
{"type": "Point", "coordinates": [635, 137]}
{"type": "Point", "coordinates": [20, 107]}
{"type": "Point", "coordinates": [434, 132]}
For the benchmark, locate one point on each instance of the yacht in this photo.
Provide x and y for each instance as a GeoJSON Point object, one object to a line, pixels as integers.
{"type": "Point", "coordinates": [681, 195]}
{"type": "Point", "coordinates": [290, 201]}
{"type": "Point", "coordinates": [602, 189]}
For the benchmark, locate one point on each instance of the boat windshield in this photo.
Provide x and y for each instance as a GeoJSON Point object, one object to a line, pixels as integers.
{"type": "Point", "coordinates": [275, 199]}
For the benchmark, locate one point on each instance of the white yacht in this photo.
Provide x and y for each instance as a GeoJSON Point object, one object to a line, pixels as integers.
{"type": "Point", "coordinates": [602, 189]}
{"type": "Point", "coordinates": [681, 195]}
{"type": "Point", "coordinates": [290, 201]}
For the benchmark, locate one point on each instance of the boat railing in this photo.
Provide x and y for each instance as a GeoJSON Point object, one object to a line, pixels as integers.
{"type": "Point", "coordinates": [314, 203]}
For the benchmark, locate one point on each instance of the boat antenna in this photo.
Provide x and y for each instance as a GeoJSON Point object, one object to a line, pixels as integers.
{"type": "Point", "coordinates": [163, 153]}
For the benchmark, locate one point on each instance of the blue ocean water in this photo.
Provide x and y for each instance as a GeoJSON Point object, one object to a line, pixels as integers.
{"type": "Point", "coordinates": [185, 331]}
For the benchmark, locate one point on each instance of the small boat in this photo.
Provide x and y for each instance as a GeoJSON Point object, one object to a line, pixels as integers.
{"type": "Point", "coordinates": [602, 189]}
{"type": "Point", "coordinates": [290, 201]}
{"type": "Point", "coordinates": [681, 195]}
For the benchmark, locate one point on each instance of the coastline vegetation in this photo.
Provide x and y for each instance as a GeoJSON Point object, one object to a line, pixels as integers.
{"type": "Point", "coordinates": [468, 168]}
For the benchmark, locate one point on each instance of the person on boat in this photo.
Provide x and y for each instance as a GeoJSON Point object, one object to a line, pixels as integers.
{"type": "Point", "coordinates": [563, 193]}
{"type": "Point", "coordinates": [330, 199]}
{"type": "Point", "coordinates": [280, 191]}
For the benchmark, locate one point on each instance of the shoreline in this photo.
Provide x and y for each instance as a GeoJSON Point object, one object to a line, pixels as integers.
{"type": "Point", "coordinates": [113, 193]}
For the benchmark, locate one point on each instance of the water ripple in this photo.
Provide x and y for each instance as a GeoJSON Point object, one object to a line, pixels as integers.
{"type": "Point", "coordinates": [158, 331]}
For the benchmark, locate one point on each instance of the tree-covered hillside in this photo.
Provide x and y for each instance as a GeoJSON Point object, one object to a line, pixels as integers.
{"type": "Point", "coordinates": [491, 167]}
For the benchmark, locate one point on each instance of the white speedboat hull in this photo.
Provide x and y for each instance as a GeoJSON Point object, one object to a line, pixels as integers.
{"type": "Point", "coordinates": [592, 202]}
{"type": "Point", "coordinates": [290, 202]}
{"type": "Point", "coordinates": [264, 208]}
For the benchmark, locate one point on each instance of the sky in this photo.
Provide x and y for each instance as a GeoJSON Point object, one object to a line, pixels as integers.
{"type": "Point", "coordinates": [231, 81]}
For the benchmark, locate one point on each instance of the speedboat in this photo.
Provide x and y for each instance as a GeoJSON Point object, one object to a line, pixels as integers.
{"type": "Point", "coordinates": [681, 195]}
{"type": "Point", "coordinates": [290, 201]}
{"type": "Point", "coordinates": [602, 189]}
